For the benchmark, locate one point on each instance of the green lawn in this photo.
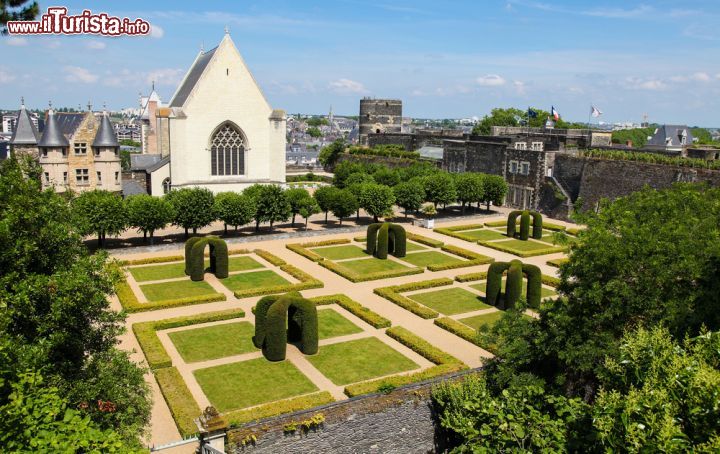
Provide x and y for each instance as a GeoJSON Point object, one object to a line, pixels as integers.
{"type": "Point", "coordinates": [482, 234]}
{"type": "Point", "coordinates": [359, 360]}
{"type": "Point", "coordinates": [485, 319]}
{"type": "Point", "coordinates": [332, 324]}
{"type": "Point", "coordinates": [449, 301]}
{"type": "Point", "coordinates": [158, 272]}
{"type": "Point", "coordinates": [247, 383]}
{"type": "Point", "coordinates": [243, 263]}
{"type": "Point", "coordinates": [543, 294]}
{"type": "Point", "coordinates": [211, 342]}
{"type": "Point", "coordinates": [410, 247]}
{"type": "Point", "coordinates": [423, 259]}
{"type": "Point", "coordinates": [524, 246]}
{"type": "Point", "coordinates": [557, 262]}
{"type": "Point", "coordinates": [345, 251]}
{"type": "Point", "coordinates": [176, 289]}
{"type": "Point", "coordinates": [254, 279]}
{"type": "Point", "coordinates": [371, 265]}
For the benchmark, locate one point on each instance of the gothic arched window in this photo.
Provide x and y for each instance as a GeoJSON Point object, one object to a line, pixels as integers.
{"type": "Point", "coordinates": [227, 151]}
{"type": "Point", "coordinates": [166, 185]}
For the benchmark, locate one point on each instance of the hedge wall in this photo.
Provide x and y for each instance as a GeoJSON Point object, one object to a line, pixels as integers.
{"type": "Point", "coordinates": [524, 226]}
{"type": "Point", "coordinates": [471, 277]}
{"type": "Point", "coordinates": [398, 240]}
{"type": "Point", "coordinates": [282, 318]}
{"type": "Point", "coordinates": [424, 240]}
{"type": "Point", "coordinates": [513, 284]}
{"type": "Point", "coordinates": [368, 316]}
{"type": "Point", "coordinates": [393, 294]}
{"type": "Point", "coordinates": [239, 417]}
{"type": "Point", "coordinates": [179, 399]}
{"type": "Point", "coordinates": [493, 287]}
{"type": "Point", "coordinates": [511, 220]}
{"type": "Point", "coordinates": [534, 285]}
{"type": "Point", "coordinates": [537, 225]}
{"type": "Point", "coordinates": [381, 251]}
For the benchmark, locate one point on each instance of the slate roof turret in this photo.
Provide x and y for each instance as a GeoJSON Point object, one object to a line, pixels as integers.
{"type": "Point", "coordinates": [105, 136]}
{"type": "Point", "coordinates": [25, 132]}
{"type": "Point", "coordinates": [52, 136]}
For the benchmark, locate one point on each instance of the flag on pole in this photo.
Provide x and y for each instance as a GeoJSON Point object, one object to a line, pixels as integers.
{"type": "Point", "coordinates": [595, 112]}
{"type": "Point", "coordinates": [532, 113]}
{"type": "Point", "coordinates": [555, 114]}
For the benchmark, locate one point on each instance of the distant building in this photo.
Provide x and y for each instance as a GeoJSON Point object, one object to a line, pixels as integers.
{"type": "Point", "coordinates": [9, 121]}
{"type": "Point", "coordinates": [670, 138]}
{"type": "Point", "coordinates": [379, 116]}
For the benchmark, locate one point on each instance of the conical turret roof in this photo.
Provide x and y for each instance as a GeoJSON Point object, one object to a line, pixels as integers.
{"type": "Point", "coordinates": [105, 136]}
{"type": "Point", "coordinates": [52, 136]}
{"type": "Point", "coordinates": [25, 131]}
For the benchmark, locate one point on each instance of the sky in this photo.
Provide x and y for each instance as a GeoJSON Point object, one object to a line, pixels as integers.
{"type": "Point", "coordinates": [444, 59]}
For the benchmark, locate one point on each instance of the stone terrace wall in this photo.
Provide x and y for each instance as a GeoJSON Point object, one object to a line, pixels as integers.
{"type": "Point", "coordinates": [400, 422]}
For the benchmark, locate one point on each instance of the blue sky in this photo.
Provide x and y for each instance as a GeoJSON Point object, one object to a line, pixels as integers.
{"type": "Point", "coordinates": [443, 59]}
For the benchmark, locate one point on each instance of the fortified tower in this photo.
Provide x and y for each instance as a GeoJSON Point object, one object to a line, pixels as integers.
{"type": "Point", "coordinates": [379, 116]}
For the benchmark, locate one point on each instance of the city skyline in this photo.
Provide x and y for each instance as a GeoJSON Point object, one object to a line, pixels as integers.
{"type": "Point", "coordinates": [626, 58]}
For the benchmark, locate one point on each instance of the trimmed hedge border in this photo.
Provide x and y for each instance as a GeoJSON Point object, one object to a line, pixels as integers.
{"type": "Point", "coordinates": [273, 259]}
{"type": "Point", "coordinates": [360, 239]}
{"type": "Point", "coordinates": [146, 333]}
{"type": "Point", "coordinates": [354, 277]}
{"type": "Point", "coordinates": [306, 282]}
{"type": "Point", "coordinates": [551, 281]}
{"type": "Point", "coordinates": [129, 302]}
{"type": "Point", "coordinates": [421, 346]}
{"type": "Point", "coordinates": [179, 399]}
{"type": "Point", "coordinates": [473, 259]}
{"type": "Point", "coordinates": [239, 417]}
{"type": "Point", "coordinates": [455, 231]}
{"type": "Point", "coordinates": [393, 294]}
{"type": "Point", "coordinates": [370, 317]}
{"type": "Point", "coordinates": [501, 223]}
{"type": "Point", "coordinates": [463, 331]}
{"type": "Point", "coordinates": [554, 227]}
{"type": "Point", "coordinates": [457, 228]}
{"type": "Point", "coordinates": [509, 250]}
{"type": "Point", "coordinates": [424, 240]}
{"type": "Point", "coordinates": [173, 258]}
{"type": "Point", "coordinates": [303, 248]}
{"type": "Point", "coordinates": [557, 262]}
{"type": "Point", "coordinates": [471, 277]}
{"type": "Point", "coordinates": [126, 296]}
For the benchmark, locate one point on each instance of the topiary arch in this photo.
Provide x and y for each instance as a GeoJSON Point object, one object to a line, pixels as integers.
{"type": "Point", "coordinates": [525, 224]}
{"type": "Point", "coordinates": [386, 237]}
{"type": "Point", "coordinates": [195, 257]}
{"type": "Point", "coordinates": [283, 318]}
{"type": "Point", "coordinates": [513, 285]}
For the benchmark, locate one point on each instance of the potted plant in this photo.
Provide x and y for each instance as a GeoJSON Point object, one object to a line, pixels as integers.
{"type": "Point", "coordinates": [429, 211]}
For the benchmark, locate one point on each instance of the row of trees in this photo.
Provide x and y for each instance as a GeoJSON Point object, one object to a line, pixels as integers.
{"type": "Point", "coordinates": [626, 360]}
{"type": "Point", "coordinates": [519, 117]}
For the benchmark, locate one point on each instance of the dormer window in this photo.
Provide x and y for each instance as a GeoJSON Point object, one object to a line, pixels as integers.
{"type": "Point", "coordinates": [80, 148]}
{"type": "Point", "coordinates": [521, 145]}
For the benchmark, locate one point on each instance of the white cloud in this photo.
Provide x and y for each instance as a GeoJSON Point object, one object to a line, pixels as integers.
{"type": "Point", "coordinates": [97, 45]}
{"type": "Point", "coordinates": [16, 41]}
{"type": "Point", "coordinates": [164, 76]}
{"type": "Point", "coordinates": [520, 87]}
{"type": "Point", "coordinates": [78, 74]}
{"type": "Point", "coordinates": [695, 77]}
{"type": "Point", "coordinates": [635, 83]}
{"type": "Point", "coordinates": [6, 77]}
{"type": "Point", "coordinates": [701, 77]}
{"type": "Point", "coordinates": [347, 86]}
{"type": "Point", "coordinates": [490, 80]}
{"type": "Point", "coordinates": [156, 31]}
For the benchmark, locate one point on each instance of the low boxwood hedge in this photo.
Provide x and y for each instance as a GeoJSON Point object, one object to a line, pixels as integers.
{"type": "Point", "coordinates": [130, 303]}
{"type": "Point", "coordinates": [370, 317]}
{"type": "Point", "coordinates": [354, 277]}
{"type": "Point", "coordinates": [459, 329]}
{"type": "Point", "coordinates": [424, 240]}
{"type": "Point", "coordinates": [373, 386]}
{"type": "Point", "coordinates": [551, 281]}
{"type": "Point", "coordinates": [456, 232]}
{"type": "Point", "coordinates": [179, 399]}
{"type": "Point", "coordinates": [239, 417]}
{"type": "Point", "coordinates": [146, 333]}
{"type": "Point", "coordinates": [471, 277]}
{"type": "Point", "coordinates": [393, 294]}
{"type": "Point", "coordinates": [306, 282]}
{"type": "Point", "coordinates": [148, 260]}
{"type": "Point", "coordinates": [555, 227]}
{"type": "Point", "coordinates": [501, 223]}
{"type": "Point", "coordinates": [473, 259]}
{"type": "Point", "coordinates": [573, 230]}
{"type": "Point", "coordinates": [421, 346]}
{"type": "Point", "coordinates": [273, 259]}
{"type": "Point", "coordinates": [126, 296]}
{"type": "Point", "coordinates": [307, 253]}
{"type": "Point", "coordinates": [557, 262]}
{"type": "Point", "coordinates": [500, 247]}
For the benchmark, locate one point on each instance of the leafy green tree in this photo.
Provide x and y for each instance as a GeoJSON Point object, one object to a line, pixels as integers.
{"type": "Point", "coordinates": [344, 203]}
{"type": "Point", "coordinates": [147, 214]}
{"type": "Point", "coordinates": [376, 199]}
{"type": "Point", "coordinates": [494, 190]}
{"type": "Point", "coordinates": [193, 208]}
{"type": "Point", "coordinates": [313, 132]}
{"type": "Point", "coordinates": [317, 121]}
{"type": "Point", "coordinates": [638, 136]}
{"type": "Point", "coordinates": [343, 170]}
{"type": "Point", "coordinates": [308, 207]}
{"type": "Point", "coordinates": [415, 170]}
{"type": "Point", "coordinates": [99, 212]}
{"type": "Point", "coordinates": [234, 209]}
{"type": "Point", "coordinates": [329, 154]}
{"type": "Point", "coordinates": [440, 189]}
{"type": "Point", "coordinates": [17, 10]}
{"type": "Point", "coordinates": [297, 198]}
{"type": "Point", "coordinates": [324, 197]}
{"type": "Point", "coordinates": [470, 188]}
{"type": "Point", "coordinates": [386, 176]}
{"type": "Point", "coordinates": [409, 195]}
{"type": "Point", "coordinates": [272, 205]}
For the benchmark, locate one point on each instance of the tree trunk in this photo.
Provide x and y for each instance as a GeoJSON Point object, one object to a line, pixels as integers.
{"type": "Point", "coordinates": [152, 237]}
{"type": "Point", "coordinates": [186, 232]}
{"type": "Point", "coordinates": [145, 236]}
{"type": "Point", "coordinates": [194, 230]}
{"type": "Point", "coordinates": [257, 226]}
{"type": "Point", "coordinates": [340, 221]}
{"type": "Point", "coordinates": [463, 208]}
{"type": "Point", "coordinates": [326, 220]}
{"type": "Point", "coordinates": [357, 216]}
{"type": "Point", "coordinates": [271, 224]}
{"type": "Point", "coordinates": [225, 227]}
{"type": "Point", "coordinates": [100, 242]}
{"type": "Point", "coordinates": [306, 221]}
{"type": "Point", "coordinates": [293, 220]}
{"type": "Point", "coordinates": [375, 219]}
{"type": "Point", "coordinates": [488, 205]}
{"type": "Point", "coordinates": [406, 213]}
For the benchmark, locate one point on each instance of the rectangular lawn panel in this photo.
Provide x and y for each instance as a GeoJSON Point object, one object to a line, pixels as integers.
{"type": "Point", "coordinates": [177, 289]}
{"type": "Point", "coordinates": [248, 383]}
{"type": "Point", "coordinates": [371, 265]}
{"type": "Point", "coordinates": [423, 259]}
{"type": "Point", "coordinates": [544, 293]}
{"type": "Point", "coordinates": [212, 342]}
{"type": "Point", "coordinates": [359, 360]}
{"type": "Point", "coordinates": [254, 279]}
{"type": "Point", "coordinates": [243, 263]}
{"type": "Point", "coordinates": [525, 246]}
{"type": "Point", "coordinates": [482, 235]}
{"type": "Point", "coordinates": [411, 247]}
{"type": "Point", "coordinates": [332, 324]}
{"type": "Point", "coordinates": [450, 301]}
{"type": "Point", "coordinates": [158, 272]}
{"type": "Point", "coordinates": [345, 251]}
{"type": "Point", "coordinates": [477, 321]}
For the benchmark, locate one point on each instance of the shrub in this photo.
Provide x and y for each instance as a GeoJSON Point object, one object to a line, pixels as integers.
{"type": "Point", "coordinates": [554, 227]}
{"type": "Point", "coordinates": [371, 238]}
{"type": "Point", "coordinates": [534, 285]}
{"type": "Point", "coordinates": [537, 223]}
{"type": "Point", "coordinates": [240, 417]}
{"type": "Point", "coordinates": [273, 259]}
{"type": "Point", "coordinates": [149, 260]}
{"type": "Point", "coordinates": [557, 262]}
{"type": "Point", "coordinates": [372, 318]}
{"type": "Point", "coordinates": [501, 223]}
{"type": "Point", "coordinates": [421, 346]}
{"type": "Point", "coordinates": [393, 294]}
{"type": "Point", "coordinates": [513, 284]}
{"type": "Point", "coordinates": [471, 277]}
{"type": "Point", "coordinates": [284, 318]}
{"type": "Point", "coordinates": [550, 280]}
{"type": "Point", "coordinates": [511, 220]}
{"type": "Point", "coordinates": [424, 240]}
{"type": "Point", "coordinates": [461, 330]}
{"type": "Point", "coordinates": [494, 282]}
{"type": "Point", "coordinates": [525, 226]}
{"type": "Point", "coordinates": [377, 385]}
{"type": "Point", "coordinates": [398, 239]}
{"type": "Point", "coordinates": [381, 251]}
{"type": "Point", "coordinates": [573, 230]}
{"type": "Point", "coordinates": [126, 296]}
{"type": "Point", "coordinates": [307, 253]}
{"type": "Point", "coordinates": [179, 399]}
{"type": "Point", "coordinates": [195, 253]}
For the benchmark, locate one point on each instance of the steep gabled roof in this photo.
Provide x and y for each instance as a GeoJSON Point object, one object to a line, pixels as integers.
{"type": "Point", "coordinates": [69, 122]}
{"type": "Point", "coordinates": [191, 78]}
{"type": "Point", "coordinates": [25, 131]}
{"type": "Point", "coordinates": [672, 132]}
{"type": "Point", "coordinates": [105, 136]}
{"type": "Point", "coordinates": [52, 136]}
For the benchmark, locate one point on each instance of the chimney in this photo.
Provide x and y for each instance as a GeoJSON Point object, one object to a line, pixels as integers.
{"type": "Point", "coordinates": [628, 143]}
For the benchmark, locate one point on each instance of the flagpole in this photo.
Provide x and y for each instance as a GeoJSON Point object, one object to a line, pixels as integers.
{"type": "Point", "coordinates": [588, 123]}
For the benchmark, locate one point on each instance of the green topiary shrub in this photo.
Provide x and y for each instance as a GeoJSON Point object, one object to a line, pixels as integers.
{"type": "Point", "coordinates": [381, 251]}
{"type": "Point", "coordinates": [195, 257]}
{"type": "Point", "coordinates": [282, 318]}
{"type": "Point", "coordinates": [524, 225]}
{"type": "Point", "coordinates": [372, 233]}
{"type": "Point", "coordinates": [494, 282]}
{"type": "Point", "coordinates": [398, 239]}
{"type": "Point", "coordinates": [513, 285]}
{"type": "Point", "coordinates": [512, 219]}
{"type": "Point", "coordinates": [537, 223]}
{"type": "Point", "coordinates": [188, 252]}
{"type": "Point", "coordinates": [534, 284]}
{"type": "Point", "coordinates": [219, 261]}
